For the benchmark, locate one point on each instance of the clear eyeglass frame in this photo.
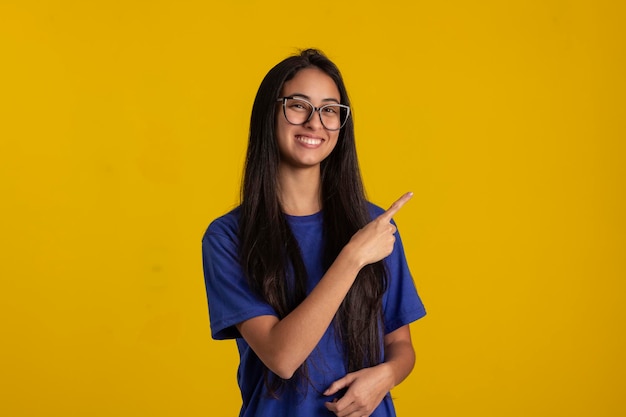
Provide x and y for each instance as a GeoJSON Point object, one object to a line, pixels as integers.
{"type": "Point", "coordinates": [313, 111]}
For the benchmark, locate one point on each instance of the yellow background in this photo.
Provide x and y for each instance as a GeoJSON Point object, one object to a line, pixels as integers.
{"type": "Point", "coordinates": [123, 127]}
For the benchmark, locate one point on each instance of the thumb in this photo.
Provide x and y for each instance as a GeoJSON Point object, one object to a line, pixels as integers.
{"type": "Point", "coordinates": [339, 384]}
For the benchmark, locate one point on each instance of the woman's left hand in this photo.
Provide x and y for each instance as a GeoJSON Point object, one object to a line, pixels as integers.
{"type": "Point", "coordinates": [366, 388]}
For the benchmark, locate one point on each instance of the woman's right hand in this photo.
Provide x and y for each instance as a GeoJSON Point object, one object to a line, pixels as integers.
{"type": "Point", "coordinates": [375, 241]}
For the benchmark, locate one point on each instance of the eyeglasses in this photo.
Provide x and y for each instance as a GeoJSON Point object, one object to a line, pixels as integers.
{"type": "Point", "coordinates": [298, 111]}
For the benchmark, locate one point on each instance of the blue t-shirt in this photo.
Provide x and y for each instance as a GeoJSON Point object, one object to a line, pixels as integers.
{"type": "Point", "coordinates": [231, 301]}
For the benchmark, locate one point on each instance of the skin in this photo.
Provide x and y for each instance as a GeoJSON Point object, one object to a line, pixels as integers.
{"type": "Point", "coordinates": [283, 345]}
{"type": "Point", "coordinates": [304, 147]}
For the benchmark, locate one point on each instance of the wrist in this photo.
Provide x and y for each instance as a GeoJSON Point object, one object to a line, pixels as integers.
{"type": "Point", "coordinates": [389, 375]}
{"type": "Point", "coordinates": [350, 258]}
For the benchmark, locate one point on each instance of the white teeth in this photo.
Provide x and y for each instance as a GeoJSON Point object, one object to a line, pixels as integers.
{"type": "Point", "coordinates": [309, 141]}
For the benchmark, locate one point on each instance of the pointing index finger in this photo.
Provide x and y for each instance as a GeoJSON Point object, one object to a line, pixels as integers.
{"type": "Point", "coordinates": [396, 206]}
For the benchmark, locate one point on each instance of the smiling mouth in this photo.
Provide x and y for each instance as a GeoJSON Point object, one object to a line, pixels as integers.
{"type": "Point", "coordinates": [309, 141]}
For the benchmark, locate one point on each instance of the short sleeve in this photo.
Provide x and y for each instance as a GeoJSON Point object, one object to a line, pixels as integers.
{"type": "Point", "coordinates": [401, 304]}
{"type": "Point", "coordinates": [230, 298]}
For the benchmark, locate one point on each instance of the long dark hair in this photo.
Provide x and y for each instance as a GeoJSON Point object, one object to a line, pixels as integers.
{"type": "Point", "coordinates": [267, 246]}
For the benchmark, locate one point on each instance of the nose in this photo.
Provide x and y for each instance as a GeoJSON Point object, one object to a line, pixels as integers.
{"type": "Point", "coordinates": [315, 121]}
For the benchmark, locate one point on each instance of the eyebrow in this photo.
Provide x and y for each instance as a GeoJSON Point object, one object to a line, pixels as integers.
{"type": "Point", "coordinates": [304, 96]}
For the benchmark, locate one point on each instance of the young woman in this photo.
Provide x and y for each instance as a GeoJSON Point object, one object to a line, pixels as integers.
{"type": "Point", "coordinates": [308, 277]}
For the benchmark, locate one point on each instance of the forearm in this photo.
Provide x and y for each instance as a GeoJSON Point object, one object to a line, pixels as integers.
{"type": "Point", "coordinates": [283, 345]}
{"type": "Point", "coordinates": [400, 357]}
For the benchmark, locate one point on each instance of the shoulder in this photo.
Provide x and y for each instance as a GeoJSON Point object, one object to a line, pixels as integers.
{"type": "Point", "coordinates": [374, 210]}
{"type": "Point", "coordinates": [225, 226]}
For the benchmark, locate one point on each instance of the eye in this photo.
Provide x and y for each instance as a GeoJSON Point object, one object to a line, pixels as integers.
{"type": "Point", "coordinates": [298, 105]}
{"type": "Point", "coordinates": [331, 110]}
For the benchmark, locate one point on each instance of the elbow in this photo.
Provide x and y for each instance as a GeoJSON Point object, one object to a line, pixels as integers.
{"type": "Point", "coordinates": [282, 368]}
{"type": "Point", "coordinates": [273, 349]}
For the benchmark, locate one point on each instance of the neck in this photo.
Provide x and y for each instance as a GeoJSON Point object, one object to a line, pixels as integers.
{"type": "Point", "coordinates": [300, 190]}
